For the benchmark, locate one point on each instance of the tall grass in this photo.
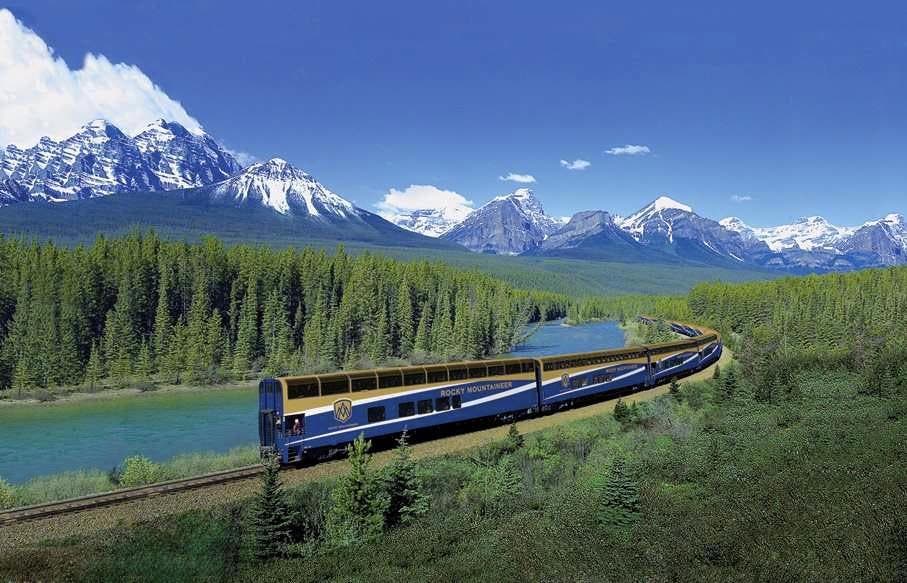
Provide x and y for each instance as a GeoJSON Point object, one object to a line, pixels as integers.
{"type": "Point", "coordinates": [84, 482]}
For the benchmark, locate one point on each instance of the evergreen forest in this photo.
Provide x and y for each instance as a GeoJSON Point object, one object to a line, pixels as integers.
{"type": "Point", "coordinates": [138, 307]}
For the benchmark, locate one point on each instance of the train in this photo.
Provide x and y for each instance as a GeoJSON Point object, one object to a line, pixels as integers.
{"type": "Point", "coordinates": [306, 418]}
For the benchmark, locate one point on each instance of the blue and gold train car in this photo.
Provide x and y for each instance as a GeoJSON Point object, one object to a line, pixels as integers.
{"type": "Point", "coordinates": [309, 416]}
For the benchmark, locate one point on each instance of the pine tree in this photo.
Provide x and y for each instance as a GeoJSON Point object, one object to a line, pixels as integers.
{"type": "Point", "coordinates": [406, 499]}
{"type": "Point", "coordinates": [245, 349]}
{"type": "Point", "coordinates": [94, 372]}
{"type": "Point", "coordinates": [728, 384]}
{"type": "Point", "coordinates": [717, 374]}
{"type": "Point", "coordinates": [621, 412]}
{"type": "Point", "coordinates": [358, 501]}
{"type": "Point", "coordinates": [618, 497]}
{"type": "Point", "coordinates": [423, 331]}
{"type": "Point", "coordinates": [404, 320]}
{"type": "Point", "coordinates": [674, 388]}
{"type": "Point", "coordinates": [514, 440]}
{"type": "Point", "coordinates": [143, 364]}
{"type": "Point", "coordinates": [272, 517]}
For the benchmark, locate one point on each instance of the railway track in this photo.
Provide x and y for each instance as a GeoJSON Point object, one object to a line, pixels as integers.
{"type": "Point", "coordinates": [25, 513]}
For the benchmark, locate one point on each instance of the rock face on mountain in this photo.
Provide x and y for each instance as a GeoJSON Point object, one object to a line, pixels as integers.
{"type": "Point", "coordinates": [508, 225]}
{"type": "Point", "coordinates": [814, 244]}
{"type": "Point", "coordinates": [100, 160]}
{"type": "Point", "coordinates": [594, 234]}
{"type": "Point", "coordinates": [674, 228]}
{"type": "Point", "coordinates": [885, 239]}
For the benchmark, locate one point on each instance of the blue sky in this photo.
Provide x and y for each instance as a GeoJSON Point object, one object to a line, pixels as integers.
{"type": "Point", "coordinates": [799, 106]}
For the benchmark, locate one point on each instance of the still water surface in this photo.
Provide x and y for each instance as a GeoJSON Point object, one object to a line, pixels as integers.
{"type": "Point", "coordinates": [38, 440]}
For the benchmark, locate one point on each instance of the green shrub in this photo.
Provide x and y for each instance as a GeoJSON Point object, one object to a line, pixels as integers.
{"type": "Point", "coordinates": [63, 486]}
{"type": "Point", "coordinates": [7, 495]}
{"type": "Point", "coordinates": [137, 471]}
{"type": "Point", "coordinates": [492, 488]}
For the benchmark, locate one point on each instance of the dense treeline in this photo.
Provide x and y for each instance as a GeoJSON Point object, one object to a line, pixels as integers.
{"type": "Point", "coordinates": [139, 307]}
{"type": "Point", "coordinates": [854, 321]}
{"type": "Point", "coordinates": [623, 308]}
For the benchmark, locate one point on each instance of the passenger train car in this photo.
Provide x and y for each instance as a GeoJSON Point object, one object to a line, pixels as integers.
{"type": "Point", "coordinates": [312, 416]}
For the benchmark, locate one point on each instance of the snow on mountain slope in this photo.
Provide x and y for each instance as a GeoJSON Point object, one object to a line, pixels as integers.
{"type": "Point", "coordinates": [278, 185]}
{"type": "Point", "coordinates": [657, 210]}
{"type": "Point", "coordinates": [808, 233]}
{"type": "Point", "coordinates": [100, 159]}
{"type": "Point", "coordinates": [182, 159]}
{"type": "Point", "coordinates": [428, 222]}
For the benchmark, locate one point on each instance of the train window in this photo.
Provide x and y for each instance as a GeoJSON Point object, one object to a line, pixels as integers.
{"type": "Point", "coordinates": [442, 403]}
{"type": "Point", "coordinates": [335, 387]}
{"type": "Point", "coordinates": [456, 401]}
{"type": "Point", "coordinates": [458, 373]}
{"type": "Point", "coordinates": [528, 367]}
{"type": "Point", "coordinates": [390, 380]}
{"type": "Point", "coordinates": [477, 372]}
{"type": "Point", "coordinates": [375, 414]}
{"type": "Point", "coordinates": [365, 384]}
{"type": "Point", "coordinates": [290, 424]}
{"type": "Point", "coordinates": [406, 409]}
{"type": "Point", "coordinates": [424, 406]}
{"type": "Point", "coordinates": [300, 390]}
{"type": "Point", "coordinates": [514, 368]}
{"type": "Point", "coordinates": [414, 378]}
{"type": "Point", "coordinates": [437, 376]}
{"type": "Point", "coordinates": [496, 370]}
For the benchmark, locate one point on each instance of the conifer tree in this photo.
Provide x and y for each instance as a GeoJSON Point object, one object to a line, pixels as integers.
{"type": "Point", "coordinates": [618, 497]}
{"type": "Point", "coordinates": [272, 517]}
{"type": "Point", "coordinates": [728, 384]}
{"type": "Point", "coordinates": [404, 319]}
{"type": "Point", "coordinates": [358, 502]}
{"type": "Point", "coordinates": [514, 440]}
{"type": "Point", "coordinates": [143, 364]}
{"type": "Point", "coordinates": [244, 350]}
{"type": "Point", "coordinates": [423, 331]}
{"type": "Point", "coordinates": [94, 372]}
{"type": "Point", "coordinates": [406, 498]}
{"type": "Point", "coordinates": [621, 412]}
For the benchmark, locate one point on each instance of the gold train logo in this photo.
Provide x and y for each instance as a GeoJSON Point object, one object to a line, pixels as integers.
{"type": "Point", "coordinates": [343, 410]}
{"type": "Point", "coordinates": [565, 380]}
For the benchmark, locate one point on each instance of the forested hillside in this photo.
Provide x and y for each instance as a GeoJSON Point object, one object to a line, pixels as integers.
{"type": "Point", "coordinates": [137, 307]}
{"type": "Point", "coordinates": [855, 321]}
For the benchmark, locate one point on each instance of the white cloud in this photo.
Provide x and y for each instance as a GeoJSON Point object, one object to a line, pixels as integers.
{"type": "Point", "coordinates": [41, 96]}
{"type": "Point", "coordinates": [628, 150]}
{"type": "Point", "coordinates": [577, 164]}
{"type": "Point", "coordinates": [741, 198]}
{"type": "Point", "coordinates": [245, 159]}
{"type": "Point", "coordinates": [521, 178]}
{"type": "Point", "coordinates": [452, 205]}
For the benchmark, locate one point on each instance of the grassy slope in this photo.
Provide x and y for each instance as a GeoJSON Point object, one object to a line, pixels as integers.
{"type": "Point", "coordinates": [807, 488]}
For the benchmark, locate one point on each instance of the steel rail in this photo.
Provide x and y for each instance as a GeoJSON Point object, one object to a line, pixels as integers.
{"type": "Point", "coordinates": [92, 501]}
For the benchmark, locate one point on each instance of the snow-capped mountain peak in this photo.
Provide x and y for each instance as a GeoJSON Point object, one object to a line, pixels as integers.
{"type": "Point", "coordinates": [278, 185]}
{"type": "Point", "coordinates": [99, 160]}
{"type": "Point", "coordinates": [508, 224]}
{"type": "Point", "coordinates": [807, 233]}
{"type": "Point", "coordinates": [666, 202]}
{"type": "Point", "coordinates": [661, 210]}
